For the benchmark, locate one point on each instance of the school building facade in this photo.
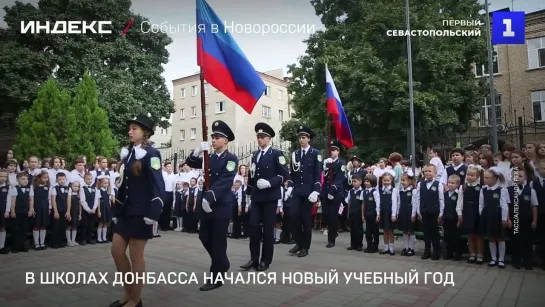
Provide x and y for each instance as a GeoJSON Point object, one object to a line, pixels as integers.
{"type": "Point", "coordinates": [519, 82]}
{"type": "Point", "coordinates": [186, 127]}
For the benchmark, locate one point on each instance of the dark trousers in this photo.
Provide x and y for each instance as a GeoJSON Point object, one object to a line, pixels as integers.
{"type": "Point", "coordinates": [58, 229]}
{"type": "Point", "coordinates": [540, 232]}
{"type": "Point", "coordinates": [452, 236]}
{"type": "Point", "coordinates": [20, 228]}
{"type": "Point", "coordinates": [213, 236]}
{"type": "Point", "coordinates": [356, 229]}
{"type": "Point", "coordinates": [287, 225]}
{"type": "Point", "coordinates": [301, 216]}
{"type": "Point", "coordinates": [262, 213]}
{"type": "Point", "coordinates": [521, 243]}
{"type": "Point", "coordinates": [430, 227]}
{"type": "Point", "coordinates": [237, 224]}
{"type": "Point", "coordinates": [245, 217]}
{"type": "Point", "coordinates": [332, 207]}
{"type": "Point", "coordinates": [164, 219]}
{"type": "Point", "coordinates": [88, 222]}
{"type": "Point", "coordinates": [190, 221]}
{"type": "Point", "coordinates": [371, 231]}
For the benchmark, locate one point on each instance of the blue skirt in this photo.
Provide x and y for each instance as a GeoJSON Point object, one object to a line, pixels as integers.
{"type": "Point", "coordinates": [133, 227]}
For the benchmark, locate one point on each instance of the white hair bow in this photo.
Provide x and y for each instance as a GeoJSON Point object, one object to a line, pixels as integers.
{"type": "Point", "coordinates": [102, 177]}
{"type": "Point", "coordinates": [139, 152]}
{"type": "Point", "coordinates": [409, 172]}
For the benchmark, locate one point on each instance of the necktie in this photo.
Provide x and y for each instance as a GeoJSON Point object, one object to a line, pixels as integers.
{"type": "Point", "coordinates": [261, 155]}
{"type": "Point", "coordinates": [304, 154]}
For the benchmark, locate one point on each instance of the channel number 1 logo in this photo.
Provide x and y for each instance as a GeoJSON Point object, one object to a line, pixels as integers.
{"type": "Point", "coordinates": [508, 28]}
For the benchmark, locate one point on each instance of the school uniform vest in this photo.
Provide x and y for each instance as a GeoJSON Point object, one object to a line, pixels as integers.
{"type": "Point", "coordinates": [489, 200]}
{"type": "Point", "coordinates": [22, 201]}
{"type": "Point", "coordinates": [386, 201]}
{"type": "Point", "coordinates": [450, 206]}
{"type": "Point", "coordinates": [524, 203]}
{"type": "Point", "coordinates": [4, 198]}
{"type": "Point", "coordinates": [370, 203]}
{"type": "Point", "coordinates": [286, 204]}
{"type": "Point", "coordinates": [89, 196]}
{"type": "Point", "coordinates": [191, 198]}
{"type": "Point", "coordinates": [178, 197]}
{"type": "Point", "coordinates": [461, 172]}
{"type": "Point", "coordinates": [99, 173]}
{"type": "Point", "coordinates": [41, 196]}
{"type": "Point", "coordinates": [105, 198]}
{"type": "Point", "coordinates": [61, 198]}
{"type": "Point", "coordinates": [429, 198]}
{"type": "Point", "coordinates": [405, 201]}
{"type": "Point", "coordinates": [540, 193]}
{"type": "Point", "coordinates": [355, 202]}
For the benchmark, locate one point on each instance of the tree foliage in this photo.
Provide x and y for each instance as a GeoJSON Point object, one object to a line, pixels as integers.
{"type": "Point", "coordinates": [127, 69]}
{"type": "Point", "coordinates": [371, 75]}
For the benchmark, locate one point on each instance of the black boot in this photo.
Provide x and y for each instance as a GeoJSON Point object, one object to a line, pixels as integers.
{"type": "Point", "coordinates": [251, 264]}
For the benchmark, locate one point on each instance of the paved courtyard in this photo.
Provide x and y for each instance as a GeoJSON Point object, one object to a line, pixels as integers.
{"type": "Point", "coordinates": [180, 252]}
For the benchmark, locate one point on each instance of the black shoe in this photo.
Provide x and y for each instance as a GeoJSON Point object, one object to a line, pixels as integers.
{"type": "Point", "coordinates": [92, 242]}
{"type": "Point", "coordinates": [262, 267]}
{"type": "Point", "coordinates": [501, 265]}
{"type": "Point", "coordinates": [350, 248]}
{"type": "Point", "coordinates": [392, 253]}
{"type": "Point", "coordinates": [83, 243]}
{"type": "Point", "coordinates": [472, 259]}
{"type": "Point", "coordinates": [479, 261]}
{"type": "Point", "coordinates": [492, 264]}
{"type": "Point", "coordinates": [384, 252]}
{"type": "Point", "coordinates": [302, 253]}
{"type": "Point", "coordinates": [291, 242]}
{"type": "Point", "coordinates": [4, 251]}
{"type": "Point", "coordinates": [330, 245]}
{"type": "Point", "coordinates": [251, 264]}
{"type": "Point", "coordinates": [529, 267]}
{"type": "Point", "coordinates": [210, 286]}
{"type": "Point", "coordinates": [368, 250]}
{"type": "Point", "coordinates": [435, 256]}
{"type": "Point", "coordinates": [118, 304]}
{"type": "Point", "coordinates": [404, 252]}
{"type": "Point", "coordinates": [359, 249]}
{"type": "Point", "coordinates": [275, 241]}
{"type": "Point", "coordinates": [447, 256]}
{"type": "Point", "coordinates": [427, 255]}
{"type": "Point", "coordinates": [15, 251]}
{"type": "Point", "coordinates": [24, 250]}
{"type": "Point", "coordinates": [410, 252]}
{"type": "Point", "coordinates": [516, 266]}
{"type": "Point", "coordinates": [294, 250]}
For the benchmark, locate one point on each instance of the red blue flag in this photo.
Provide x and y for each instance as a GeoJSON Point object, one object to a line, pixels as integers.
{"type": "Point", "coordinates": [224, 65]}
{"type": "Point", "coordinates": [335, 108]}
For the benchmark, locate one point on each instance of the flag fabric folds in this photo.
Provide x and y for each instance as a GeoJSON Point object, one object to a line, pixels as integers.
{"type": "Point", "coordinates": [336, 110]}
{"type": "Point", "coordinates": [224, 65]}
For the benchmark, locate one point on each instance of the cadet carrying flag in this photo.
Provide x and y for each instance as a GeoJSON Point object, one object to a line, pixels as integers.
{"type": "Point", "coordinates": [336, 110]}
{"type": "Point", "coordinates": [223, 64]}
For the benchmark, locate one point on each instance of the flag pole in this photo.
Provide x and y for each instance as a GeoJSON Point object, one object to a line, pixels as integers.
{"type": "Point", "coordinates": [204, 132]}
{"type": "Point", "coordinates": [330, 168]}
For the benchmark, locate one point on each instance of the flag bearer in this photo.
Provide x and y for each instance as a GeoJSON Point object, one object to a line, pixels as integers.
{"type": "Point", "coordinates": [304, 187]}
{"type": "Point", "coordinates": [268, 171]}
{"type": "Point", "coordinates": [333, 191]}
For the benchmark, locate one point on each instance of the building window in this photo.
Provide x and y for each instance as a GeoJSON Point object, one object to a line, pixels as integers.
{"type": "Point", "coordinates": [163, 131]}
{"type": "Point", "coordinates": [268, 91]}
{"type": "Point", "coordinates": [536, 52]}
{"type": "Point", "coordinates": [485, 118]}
{"type": "Point", "coordinates": [193, 112]}
{"type": "Point", "coordinates": [182, 93]}
{"type": "Point", "coordinates": [194, 90]}
{"type": "Point", "coordinates": [220, 107]}
{"type": "Point", "coordinates": [280, 95]}
{"type": "Point", "coordinates": [206, 87]}
{"type": "Point", "coordinates": [193, 133]}
{"type": "Point", "coordinates": [482, 70]}
{"type": "Point", "coordinates": [281, 116]}
{"type": "Point", "coordinates": [266, 112]}
{"type": "Point", "coordinates": [182, 113]}
{"type": "Point", "coordinates": [538, 103]}
{"type": "Point", "coordinates": [182, 135]}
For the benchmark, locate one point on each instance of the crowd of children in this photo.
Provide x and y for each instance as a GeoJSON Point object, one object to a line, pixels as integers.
{"type": "Point", "coordinates": [477, 195]}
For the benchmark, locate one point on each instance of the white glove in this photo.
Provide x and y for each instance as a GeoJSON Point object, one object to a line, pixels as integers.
{"type": "Point", "coordinates": [203, 147]}
{"type": "Point", "coordinates": [263, 184]}
{"type": "Point", "coordinates": [313, 197]}
{"type": "Point", "coordinates": [148, 221]}
{"type": "Point", "coordinates": [330, 197]}
{"type": "Point", "coordinates": [328, 160]}
{"type": "Point", "coordinates": [114, 219]}
{"type": "Point", "coordinates": [206, 206]}
{"type": "Point", "coordinates": [288, 193]}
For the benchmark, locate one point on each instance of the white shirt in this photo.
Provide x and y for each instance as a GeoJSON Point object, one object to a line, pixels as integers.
{"type": "Point", "coordinates": [416, 198]}
{"type": "Point", "coordinates": [378, 172]}
{"type": "Point", "coordinates": [264, 151]}
{"type": "Point", "coordinates": [304, 150]}
{"type": "Point", "coordinates": [170, 181]}
{"type": "Point", "coordinates": [504, 200]}
{"type": "Point", "coordinates": [52, 173]}
{"type": "Point", "coordinates": [12, 179]}
{"type": "Point", "coordinates": [76, 177]}
{"type": "Point", "coordinates": [439, 167]}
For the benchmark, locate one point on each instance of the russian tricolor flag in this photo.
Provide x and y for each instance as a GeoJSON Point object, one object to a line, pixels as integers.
{"type": "Point", "coordinates": [335, 108]}
{"type": "Point", "coordinates": [223, 64]}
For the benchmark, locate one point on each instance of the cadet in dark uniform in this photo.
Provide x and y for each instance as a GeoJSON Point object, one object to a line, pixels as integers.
{"type": "Point", "coordinates": [218, 201]}
{"type": "Point", "coordinates": [304, 187]}
{"type": "Point", "coordinates": [138, 205]}
{"type": "Point", "coordinates": [333, 191]}
{"type": "Point", "coordinates": [353, 167]}
{"type": "Point", "coordinates": [268, 171]}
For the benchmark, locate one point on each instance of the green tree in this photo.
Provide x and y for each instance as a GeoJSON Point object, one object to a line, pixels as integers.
{"type": "Point", "coordinates": [94, 136]}
{"type": "Point", "coordinates": [119, 64]}
{"type": "Point", "coordinates": [370, 71]}
{"type": "Point", "coordinates": [48, 127]}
